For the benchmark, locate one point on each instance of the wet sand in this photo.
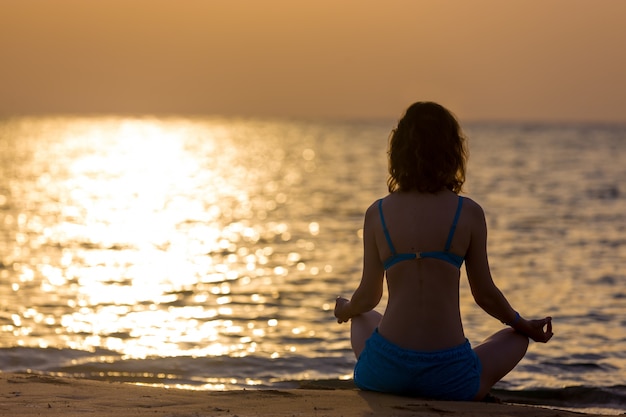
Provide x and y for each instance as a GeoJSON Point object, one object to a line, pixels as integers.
{"type": "Point", "coordinates": [40, 395]}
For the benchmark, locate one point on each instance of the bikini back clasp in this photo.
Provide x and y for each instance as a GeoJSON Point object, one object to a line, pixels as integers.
{"type": "Point", "coordinates": [444, 255]}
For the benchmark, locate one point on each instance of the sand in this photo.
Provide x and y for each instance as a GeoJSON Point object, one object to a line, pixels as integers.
{"type": "Point", "coordinates": [40, 395]}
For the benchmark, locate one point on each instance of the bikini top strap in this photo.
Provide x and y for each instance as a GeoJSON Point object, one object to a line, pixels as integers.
{"type": "Point", "coordinates": [454, 222]}
{"type": "Point", "coordinates": [382, 220]}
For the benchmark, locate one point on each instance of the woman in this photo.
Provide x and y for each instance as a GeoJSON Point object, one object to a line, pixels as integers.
{"type": "Point", "coordinates": [419, 235]}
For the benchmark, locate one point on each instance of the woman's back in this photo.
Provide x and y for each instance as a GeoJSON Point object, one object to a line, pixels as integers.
{"type": "Point", "coordinates": [419, 236]}
{"type": "Point", "coordinates": [423, 307]}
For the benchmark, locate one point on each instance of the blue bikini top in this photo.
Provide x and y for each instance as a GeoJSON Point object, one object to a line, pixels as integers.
{"type": "Point", "coordinates": [444, 255]}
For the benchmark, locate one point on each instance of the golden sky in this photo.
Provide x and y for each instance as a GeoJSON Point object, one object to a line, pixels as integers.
{"type": "Point", "coordinates": [538, 60]}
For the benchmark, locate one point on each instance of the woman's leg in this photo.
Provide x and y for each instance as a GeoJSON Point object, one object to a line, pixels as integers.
{"type": "Point", "coordinates": [361, 329]}
{"type": "Point", "coordinates": [498, 355]}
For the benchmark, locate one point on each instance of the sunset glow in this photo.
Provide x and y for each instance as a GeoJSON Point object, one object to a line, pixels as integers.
{"type": "Point", "coordinates": [485, 59]}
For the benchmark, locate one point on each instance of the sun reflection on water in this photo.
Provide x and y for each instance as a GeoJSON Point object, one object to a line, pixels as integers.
{"type": "Point", "coordinates": [208, 252]}
{"type": "Point", "coordinates": [159, 238]}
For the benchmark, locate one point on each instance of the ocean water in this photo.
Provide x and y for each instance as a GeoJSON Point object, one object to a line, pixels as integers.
{"type": "Point", "coordinates": [206, 253]}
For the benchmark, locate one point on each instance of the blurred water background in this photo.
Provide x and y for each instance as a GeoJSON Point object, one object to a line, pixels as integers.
{"type": "Point", "coordinates": [206, 253]}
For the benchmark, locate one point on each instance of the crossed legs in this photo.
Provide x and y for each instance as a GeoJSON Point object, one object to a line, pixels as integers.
{"type": "Point", "coordinates": [498, 354]}
{"type": "Point", "coordinates": [361, 328]}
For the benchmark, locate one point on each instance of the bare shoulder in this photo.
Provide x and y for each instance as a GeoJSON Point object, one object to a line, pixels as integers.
{"type": "Point", "coordinates": [473, 210]}
{"type": "Point", "coordinates": [471, 203]}
{"type": "Point", "coordinates": [372, 211]}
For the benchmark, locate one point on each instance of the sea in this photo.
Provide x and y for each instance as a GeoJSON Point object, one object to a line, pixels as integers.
{"type": "Point", "coordinates": [206, 252]}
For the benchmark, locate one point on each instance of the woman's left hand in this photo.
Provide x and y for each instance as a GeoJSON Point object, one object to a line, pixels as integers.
{"type": "Point", "coordinates": [340, 303]}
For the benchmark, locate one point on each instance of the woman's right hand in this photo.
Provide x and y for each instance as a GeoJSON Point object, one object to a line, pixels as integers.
{"type": "Point", "coordinates": [537, 330]}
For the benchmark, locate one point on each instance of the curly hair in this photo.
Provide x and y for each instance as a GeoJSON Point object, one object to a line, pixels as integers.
{"type": "Point", "coordinates": [427, 151]}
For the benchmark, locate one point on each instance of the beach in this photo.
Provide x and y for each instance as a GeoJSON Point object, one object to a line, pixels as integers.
{"type": "Point", "coordinates": [206, 253]}
{"type": "Point", "coordinates": [36, 395]}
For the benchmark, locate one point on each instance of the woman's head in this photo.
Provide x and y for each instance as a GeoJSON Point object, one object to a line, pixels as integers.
{"type": "Point", "coordinates": [427, 151]}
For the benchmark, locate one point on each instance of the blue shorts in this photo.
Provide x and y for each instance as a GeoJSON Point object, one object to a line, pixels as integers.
{"type": "Point", "coordinates": [448, 374]}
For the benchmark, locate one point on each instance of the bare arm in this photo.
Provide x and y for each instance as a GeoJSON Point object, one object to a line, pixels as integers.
{"type": "Point", "coordinates": [485, 292]}
{"type": "Point", "coordinates": [370, 290]}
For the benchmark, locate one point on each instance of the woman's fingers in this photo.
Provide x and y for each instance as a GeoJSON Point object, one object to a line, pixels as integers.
{"type": "Point", "coordinates": [547, 323]}
{"type": "Point", "coordinates": [547, 334]}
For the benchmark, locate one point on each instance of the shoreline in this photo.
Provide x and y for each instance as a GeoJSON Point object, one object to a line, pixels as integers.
{"type": "Point", "coordinates": [27, 394]}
